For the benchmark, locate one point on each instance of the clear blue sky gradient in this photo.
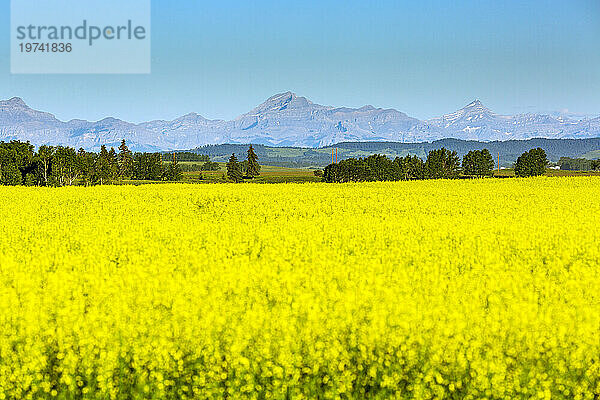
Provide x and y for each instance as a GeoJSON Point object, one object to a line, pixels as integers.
{"type": "Point", "coordinates": [425, 58]}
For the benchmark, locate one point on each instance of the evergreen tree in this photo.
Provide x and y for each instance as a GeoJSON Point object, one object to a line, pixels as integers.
{"type": "Point", "coordinates": [125, 161]}
{"type": "Point", "coordinates": [253, 168]}
{"type": "Point", "coordinates": [113, 164]}
{"type": "Point", "coordinates": [103, 167]}
{"type": "Point", "coordinates": [148, 166]}
{"type": "Point", "coordinates": [173, 170]}
{"type": "Point", "coordinates": [86, 162]}
{"type": "Point", "coordinates": [233, 169]}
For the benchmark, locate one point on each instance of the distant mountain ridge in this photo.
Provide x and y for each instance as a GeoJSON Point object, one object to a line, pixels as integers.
{"type": "Point", "coordinates": [287, 119]}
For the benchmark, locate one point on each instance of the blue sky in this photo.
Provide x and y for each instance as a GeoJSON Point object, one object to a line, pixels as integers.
{"type": "Point", "coordinates": [425, 58]}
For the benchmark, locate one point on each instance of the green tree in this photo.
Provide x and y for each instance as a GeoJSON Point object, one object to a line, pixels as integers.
{"type": "Point", "coordinates": [30, 180]}
{"type": "Point", "coordinates": [173, 170]}
{"type": "Point", "coordinates": [442, 164]}
{"type": "Point", "coordinates": [478, 163]}
{"type": "Point", "coordinates": [103, 166]}
{"type": "Point", "coordinates": [9, 171]}
{"type": "Point", "coordinates": [531, 163]}
{"type": "Point", "coordinates": [18, 161]}
{"type": "Point", "coordinates": [596, 165]}
{"type": "Point", "coordinates": [234, 171]}
{"type": "Point", "coordinates": [575, 164]}
{"type": "Point", "coordinates": [410, 167]}
{"type": "Point", "coordinates": [148, 166]}
{"type": "Point", "coordinates": [86, 162]}
{"type": "Point", "coordinates": [253, 168]}
{"type": "Point", "coordinates": [210, 166]}
{"type": "Point", "coordinates": [125, 161]}
{"type": "Point", "coordinates": [44, 157]}
{"type": "Point", "coordinates": [64, 166]}
{"type": "Point", "coordinates": [113, 164]}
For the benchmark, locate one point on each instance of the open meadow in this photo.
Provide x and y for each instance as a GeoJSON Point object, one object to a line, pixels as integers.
{"type": "Point", "coordinates": [268, 174]}
{"type": "Point", "coordinates": [486, 288]}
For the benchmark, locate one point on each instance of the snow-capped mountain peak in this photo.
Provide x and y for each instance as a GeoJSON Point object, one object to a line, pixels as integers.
{"type": "Point", "coordinates": [473, 110]}
{"type": "Point", "coordinates": [474, 104]}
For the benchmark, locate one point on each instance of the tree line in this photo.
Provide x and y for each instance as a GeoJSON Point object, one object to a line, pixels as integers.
{"type": "Point", "coordinates": [439, 164]}
{"type": "Point", "coordinates": [247, 169]}
{"type": "Point", "coordinates": [188, 156]}
{"type": "Point", "coordinates": [510, 149]}
{"type": "Point", "coordinates": [20, 164]}
{"type": "Point", "coordinates": [296, 157]}
{"type": "Point", "coordinates": [578, 164]}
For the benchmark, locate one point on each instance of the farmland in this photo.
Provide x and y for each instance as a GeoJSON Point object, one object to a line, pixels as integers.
{"type": "Point", "coordinates": [484, 288]}
{"type": "Point", "coordinates": [268, 174]}
{"type": "Point", "coordinates": [274, 174]}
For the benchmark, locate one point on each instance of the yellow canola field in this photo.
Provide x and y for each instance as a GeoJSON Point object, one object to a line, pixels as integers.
{"type": "Point", "coordinates": [412, 290]}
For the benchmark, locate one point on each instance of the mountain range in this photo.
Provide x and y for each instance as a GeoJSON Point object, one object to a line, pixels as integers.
{"type": "Point", "coordinates": [287, 119]}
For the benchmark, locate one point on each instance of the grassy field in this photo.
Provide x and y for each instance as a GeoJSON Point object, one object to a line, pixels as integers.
{"type": "Point", "coordinates": [268, 174]}
{"type": "Point", "coordinates": [464, 289]}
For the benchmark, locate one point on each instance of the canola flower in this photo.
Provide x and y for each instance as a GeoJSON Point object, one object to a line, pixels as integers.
{"type": "Point", "coordinates": [483, 289]}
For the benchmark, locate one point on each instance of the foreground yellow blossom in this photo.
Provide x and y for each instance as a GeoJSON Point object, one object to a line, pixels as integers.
{"type": "Point", "coordinates": [417, 290]}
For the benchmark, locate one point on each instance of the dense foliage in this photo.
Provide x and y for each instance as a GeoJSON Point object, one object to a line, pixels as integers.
{"type": "Point", "coordinates": [17, 163]}
{"type": "Point", "coordinates": [234, 170]}
{"type": "Point", "coordinates": [210, 166]}
{"type": "Point", "coordinates": [478, 163]}
{"type": "Point", "coordinates": [465, 289]}
{"type": "Point", "coordinates": [252, 167]}
{"type": "Point", "coordinates": [63, 166]}
{"type": "Point", "coordinates": [440, 163]}
{"type": "Point", "coordinates": [509, 149]}
{"type": "Point", "coordinates": [188, 156]}
{"type": "Point", "coordinates": [249, 168]}
{"type": "Point", "coordinates": [375, 168]}
{"type": "Point", "coordinates": [531, 163]}
{"type": "Point", "coordinates": [576, 164]}
{"type": "Point", "coordinates": [596, 165]}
